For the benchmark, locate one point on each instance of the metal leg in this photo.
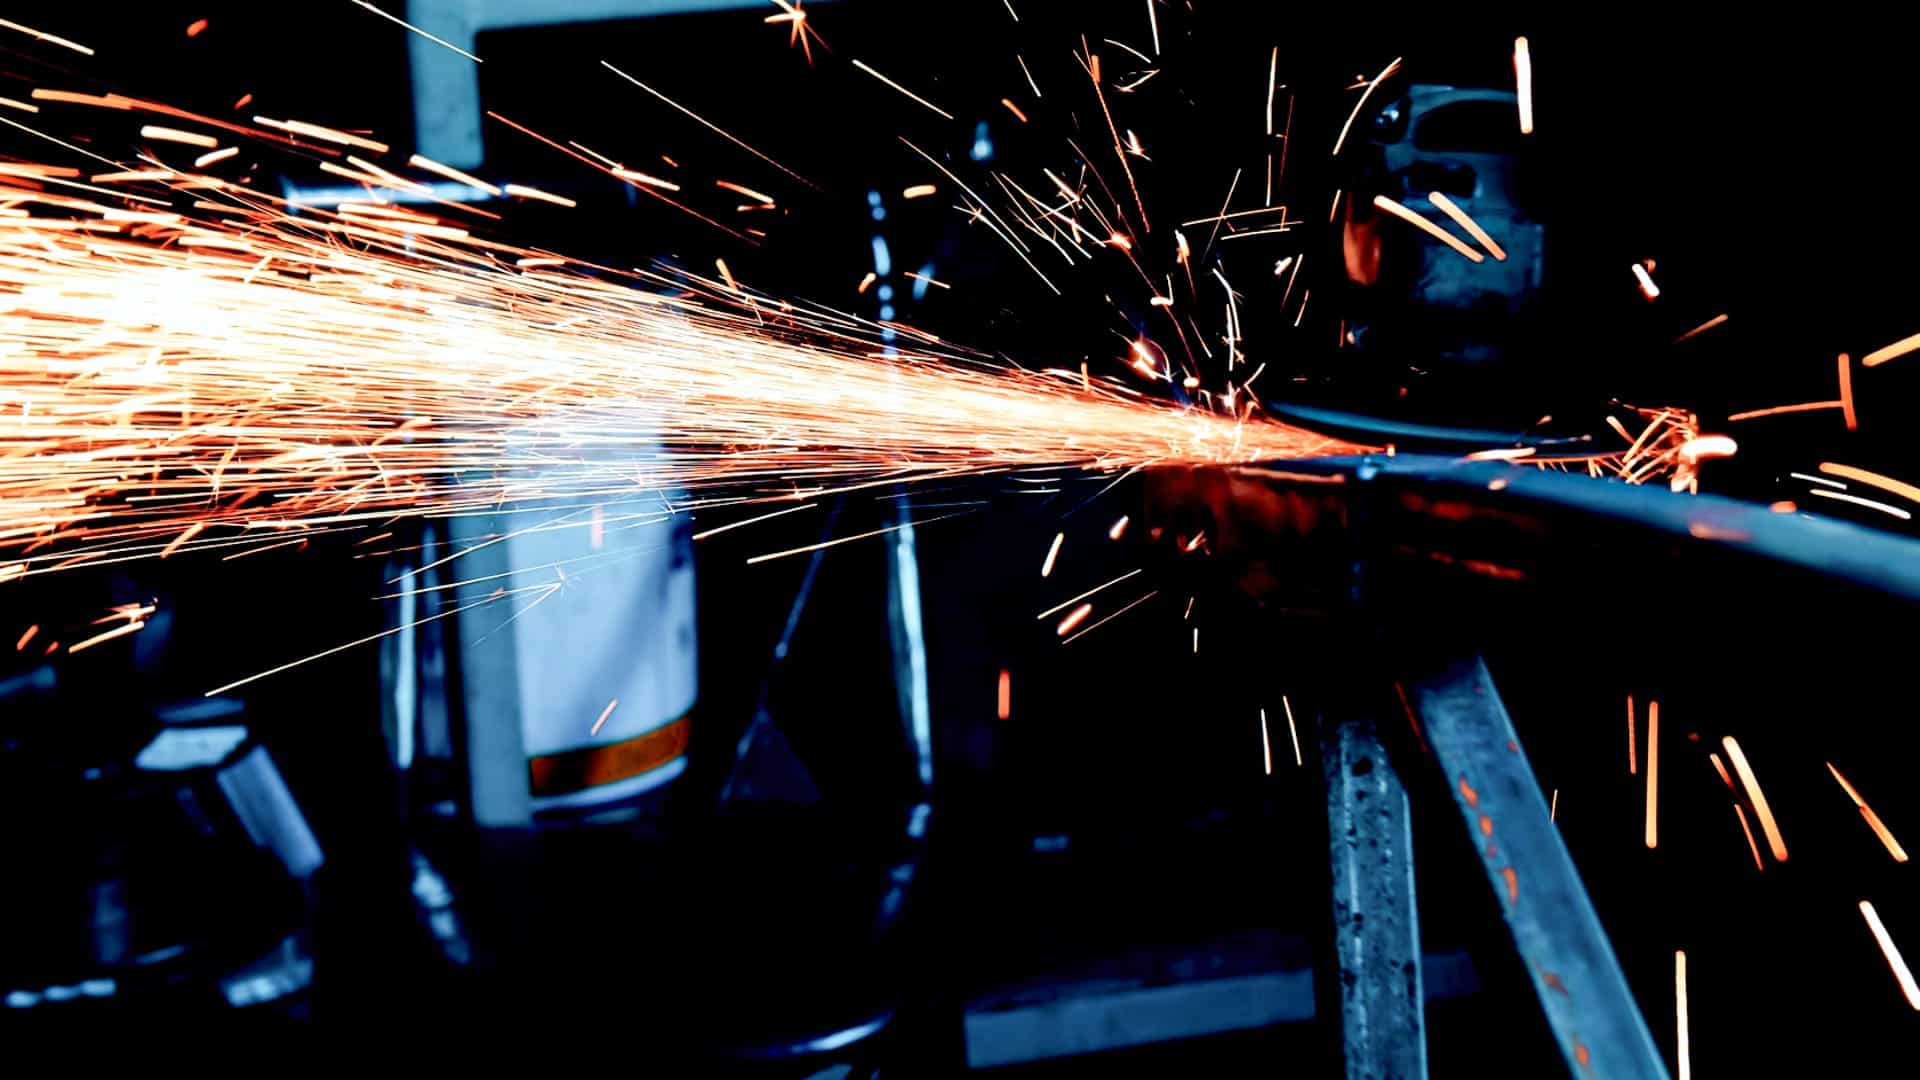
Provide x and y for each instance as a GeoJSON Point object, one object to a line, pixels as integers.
{"type": "Point", "coordinates": [1376, 926]}
{"type": "Point", "coordinates": [1554, 926]}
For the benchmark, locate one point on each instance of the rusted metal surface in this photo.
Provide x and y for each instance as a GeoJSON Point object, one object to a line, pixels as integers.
{"type": "Point", "coordinates": [1554, 926]}
{"type": "Point", "coordinates": [1376, 923]}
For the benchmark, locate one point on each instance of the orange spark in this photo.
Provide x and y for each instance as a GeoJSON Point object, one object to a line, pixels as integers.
{"type": "Point", "coordinates": [1420, 222]}
{"type": "Point", "coordinates": [1053, 553]}
{"type": "Point", "coordinates": [175, 135]}
{"type": "Point", "coordinates": [118, 631]}
{"type": "Point", "coordinates": [524, 192]}
{"type": "Point", "coordinates": [1461, 218]}
{"type": "Point", "coordinates": [1014, 109]}
{"type": "Point", "coordinates": [866, 281]}
{"type": "Point", "coordinates": [1757, 797]}
{"type": "Point", "coordinates": [1074, 618]}
{"type": "Point", "coordinates": [1004, 709]}
{"type": "Point", "coordinates": [918, 191]}
{"type": "Point", "coordinates": [1894, 960]}
{"type": "Point", "coordinates": [1741, 813]}
{"type": "Point", "coordinates": [1873, 820]}
{"type": "Point", "coordinates": [197, 27]}
{"type": "Point", "coordinates": [1846, 393]}
{"type": "Point", "coordinates": [1633, 740]}
{"type": "Point", "coordinates": [1647, 287]}
{"type": "Point", "coordinates": [451, 173]}
{"type": "Point", "coordinates": [1888, 352]}
{"type": "Point", "coordinates": [1871, 479]}
{"type": "Point", "coordinates": [1777, 410]}
{"type": "Point", "coordinates": [1118, 529]}
{"type": "Point", "coordinates": [756, 196]}
{"type": "Point", "coordinates": [1720, 768]}
{"type": "Point", "coordinates": [1701, 329]}
{"type": "Point", "coordinates": [21, 645]}
{"type": "Point", "coordinates": [216, 157]}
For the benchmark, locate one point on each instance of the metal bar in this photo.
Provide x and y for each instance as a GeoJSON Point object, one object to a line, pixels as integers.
{"type": "Point", "coordinates": [1554, 926]}
{"type": "Point", "coordinates": [1376, 925]}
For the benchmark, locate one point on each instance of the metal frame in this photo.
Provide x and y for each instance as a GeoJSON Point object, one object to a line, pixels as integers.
{"type": "Point", "coordinates": [1368, 546]}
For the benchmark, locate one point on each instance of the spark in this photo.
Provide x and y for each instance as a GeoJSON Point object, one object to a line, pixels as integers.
{"type": "Point", "coordinates": [1553, 806]}
{"type": "Point", "coordinates": [197, 27]}
{"type": "Point", "coordinates": [1633, 740]}
{"type": "Point", "coordinates": [1029, 74]}
{"type": "Point", "coordinates": [175, 135]}
{"type": "Point", "coordinates": [1777, 410]}
{"type": "Point", "coordinates": [1653, 775]}
{"type": "Point", "coordinates": [1871, 479]}
{"type": "Point", "coordinates": [1273, 74]}
{"type": "Point", "coordinates": [1074, 618]}
{"type": "Point", "coordinates": [21, 105]}
{"type": "Point", "coordinates": [1118, 529]}
{"type": "Point", "coordinates": [46, 37]}
{"type": "Point", "coordinates": [866, 281]}
{"type": "Point", "coordinates": [1891, 511]}
{"type": "Point", "coordinates": [729, 185]}
{"type": "Point", "coordinates": [420, 162]}
{"type": "Point", "coordinates": [1684, 1044]}
{"type": "Point", "coordinates": [1361, 104]}
{"type": "Point", "coordinates": [1846, 393]}
{"type": "Point", "coordinates": [323, 133]}
{"type": "Point", "coordinates": [709, 125]}
{"type": "Point", "coordinates": [836, 541]}
{"type": "Point", "coordinates": [1721, 768]}
{"type": "Point", "coordinates": [1053, 553]}
{"type": "Point", "coordinates": [1647, 287]}
{"type": "Point", "coordinates": [1089, 592]}
{"type": "Point", "coordinates": [931, 281]}
{"type": "Point", "coordinates": [1266, 745]}
{"type": "Point", "coordinates": [916, 97]}
{"type": "Point", "coordinates": [1704, 447]}
{"type": "Point", "coordinates": [1523, 83]}
{"type": "Point", "coordinates": [604, 713]}
{"type": "Point", "coordinates": [1892, 952]}
{"type": "Point", "coordinates": [1889, 352]}
{"type": "Point", "coordinates": [1293, 731]}
{"type": "Point", "coordinates": [216, 157]}
{"type": "Point", "coordinates": [1014, 109]}
{"type": "Point", "coordinates": [1741, 813]}
{"type": "Point", "coordinates": [117, 632]}
{"type": "Point", "coordinates": [524, 192]}
{"type": "Point", "coordinates": [1112, 617]}
{"type": "Point", "coordinates": [918, 191]}
{"type": "Point", "coordinates": [1153, 20]}
{"type": "Point", "coordinates": [1420, 221]}
{"type": "Point", "coordinates": [26, 637]}
{"type": "Point", "coordinates": [442, 42]}
{"type": "Point", "coordinates": [1756, 797]}
{"type": "Point", "coordinates": [796, 17]}
{"type": "Point", "coordinates": [1702, 328]}
{"type": "Point", "coordinates": [1462, 219]}
{"type": "Point", "coordinates": [730, 526]}
{"type": "Point", "coordinates": [1004, 709]}
{"type": "Point", "coordinates": [1873, 820]}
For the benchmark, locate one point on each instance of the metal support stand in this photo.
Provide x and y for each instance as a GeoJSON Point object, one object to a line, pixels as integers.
{"type": "Point", "coordinates": [1376, 924]}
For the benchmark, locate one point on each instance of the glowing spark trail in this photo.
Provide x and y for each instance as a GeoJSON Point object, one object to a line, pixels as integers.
{"type": "Point", "coordinates": [1895, 961]}
{"type": "Point", "coordinates": [1757, 797]}
{"type": "Point", "coordinates": [251, 372]}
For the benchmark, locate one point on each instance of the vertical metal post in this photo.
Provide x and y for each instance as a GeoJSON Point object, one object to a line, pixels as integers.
{"type": "Point", "coordinates": [1554, 926]}
{"type": "Point", "coordinates": [496, 755]}
{"type": "Point", "coordinates": [1376, 925]}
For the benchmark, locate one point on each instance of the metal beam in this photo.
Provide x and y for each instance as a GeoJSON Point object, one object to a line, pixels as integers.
{"type": "Point", "coordinates": [1553, 923]}
{"type": "Point", "coordinates": [1376, 925]}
